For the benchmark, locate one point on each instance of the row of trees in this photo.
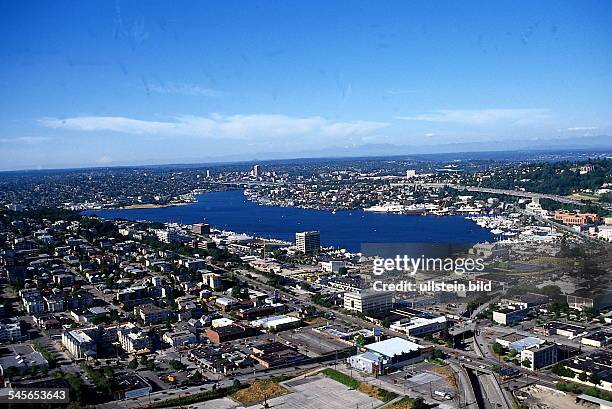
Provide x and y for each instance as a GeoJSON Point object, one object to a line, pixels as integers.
{"type": "Point", "coordinates": [561, 178]}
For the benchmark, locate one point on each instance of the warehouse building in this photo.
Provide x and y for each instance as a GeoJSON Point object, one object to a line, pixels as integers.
{"type": "Point", "coordinates": [383, 356]}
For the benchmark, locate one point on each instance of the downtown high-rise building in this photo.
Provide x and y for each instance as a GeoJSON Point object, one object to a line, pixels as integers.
{"type": "Point", "coordinates": [256, 170]}
{"type": "Point", "coordinates": [308, 241]}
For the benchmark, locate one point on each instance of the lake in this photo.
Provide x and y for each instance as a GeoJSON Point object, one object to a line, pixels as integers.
{"type": "Point", "coordinates": [348, 229]}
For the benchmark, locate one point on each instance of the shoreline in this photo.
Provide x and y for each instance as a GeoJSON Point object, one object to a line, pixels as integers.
{"type": "Point", "coordinates": [149, 206]}
{"type": "Point", "coordinates": [342, 242]}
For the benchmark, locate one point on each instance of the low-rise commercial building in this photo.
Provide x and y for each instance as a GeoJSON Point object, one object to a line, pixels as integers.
{"type": "Point", "coordinates": [420, 326]}
{"type": "Point", "coordinates": [539, 356]}
{"type": "Point", "coordinates": [572, 218]}
{"type": "Point", "coordinates": [21, 359]}
{"type": "Point", "coordinates": [509, 316]}
{"type": "Point", "coordinates": [227, 333]}
{"type": "Point", "coordinates": [133, 339]}
{"type": "Point", "coordinates": [597, 363]}
{"type": "Point", "coordinates": [598, 339]}
{"type": "Point", "coordinates": [80, 344]}
{"type": "Point", "coordinates": [277, 323]}
{"type": "Point", "coordinates": [524, 301]}
{"type": "Point", "coordinates": [518, 342]}
{"type": "Point", "coordinates": [10, 330]}
{"type": "Point", "coordinates": [176, 338]}
{"type": "Point", "coordinates": [274, 354]}
{"type": "Point", "coordinates": [151, 314]}
{"type": "Point", "coordinates": [333, 266]}
{"type": "Point", "coordinates": [383, 356]}
{"type": "Point", "coordinates": [596, 299]}
{"type": "Point", "coordinates": [366, 301]}
{"type": "Point", "coordinates": [130, 385]}
{"type": "Point", "coordinates": [563, 329]}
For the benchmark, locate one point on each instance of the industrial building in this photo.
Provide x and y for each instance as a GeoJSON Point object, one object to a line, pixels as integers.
{"type": "Point", "coordinates": [420, 326]}
{"type": "Point", "coordinates": [382, 356]}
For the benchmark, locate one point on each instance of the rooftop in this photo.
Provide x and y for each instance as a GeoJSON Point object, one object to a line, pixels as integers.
{"type": "Point", "coordinates": [393, 346]}
{"type": "Point", "coordinates": [526, 342]}
{"type": "Point", "coordinates": [512, 337]}
{"type": "Point", "coordinates": [370, 356]}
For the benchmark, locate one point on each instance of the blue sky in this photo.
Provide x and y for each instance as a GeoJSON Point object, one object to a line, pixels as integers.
{"type": "Point", "coordinates": [110, 83]}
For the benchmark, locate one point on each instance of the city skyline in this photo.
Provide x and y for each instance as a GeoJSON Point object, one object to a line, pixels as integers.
{"type": "Point", "coordinates": [254, 204]}
{"type": "Point", "coordinates": [204, 82]}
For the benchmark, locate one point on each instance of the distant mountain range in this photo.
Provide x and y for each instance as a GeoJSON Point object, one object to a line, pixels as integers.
{"type": "Point", "coordinates": [516, 149]}
{"type": "Point", "coordinates": [601, 142]}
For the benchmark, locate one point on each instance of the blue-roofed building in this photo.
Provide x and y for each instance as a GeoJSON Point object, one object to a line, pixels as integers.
{"type": "Point", "coordinates": [518, 342]}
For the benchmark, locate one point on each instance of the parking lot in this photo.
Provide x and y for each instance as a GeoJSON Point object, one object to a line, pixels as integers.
{"type": "Point", "coordinates": [317, 392]}
{"type": "Point", "coordinates": [311, 343]}
{"type": "Point", "coordinates": [421, 378]}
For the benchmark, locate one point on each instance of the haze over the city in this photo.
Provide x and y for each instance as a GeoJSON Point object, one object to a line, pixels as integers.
{"type": "Point", "coordinates": [120, 83]}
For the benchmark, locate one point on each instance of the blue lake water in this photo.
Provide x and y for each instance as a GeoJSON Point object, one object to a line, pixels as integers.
{"type": "Point", "coordinates": [348, 229]}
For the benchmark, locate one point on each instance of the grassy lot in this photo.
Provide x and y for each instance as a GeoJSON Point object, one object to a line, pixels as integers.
{"type": "Point", "coordinates": [584, 196]}
{"type": "Point", "coordinates": [409, 403]}
{"type": "Point", "coordinates": [370, 390]}
{"type": "Point", "coordinates": [448, 375]}
{"type": "Point", "coordinates": [258, 391]}
{"type": "Point", "coordinates": [342, 378]}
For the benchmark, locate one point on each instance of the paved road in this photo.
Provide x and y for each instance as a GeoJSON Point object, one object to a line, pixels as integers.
{"type": "Point", "coordinates": [507, 192]}
{"type": "Point", "coordinates": [467, 399]}
{"type": "Point", "coordinates": [493, 397]}
{"type": "Point", "coordinates": [178, 392]}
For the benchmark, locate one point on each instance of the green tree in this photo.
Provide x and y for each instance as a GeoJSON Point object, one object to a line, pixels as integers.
{"type": "Point", "coordinates": [33, 370]}
{"type": "Point", "coordinates": [438, 354]}
{"type": "Point", "coordinates": [9, 372]}
{"type": "Point", "coordinates": [197, 376]}
{"type": "Point", "coordinates": [419, 403]}
{"type": "Point", "coordinates": [133, 364]}
{"type": "Point", "coordinates": [594, 378]}
{"type": "Point", "coordinates": [499, 349]}
{"type": "Point", "coordinates": [589, 312]}
{"type": "Point", "coordinates": [561, 370]}
{"type": "Point", "coordinates": [176, 365]}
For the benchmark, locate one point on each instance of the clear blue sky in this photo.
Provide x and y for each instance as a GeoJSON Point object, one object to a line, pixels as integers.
{"type": "Point", "coordinates": [102, 82]}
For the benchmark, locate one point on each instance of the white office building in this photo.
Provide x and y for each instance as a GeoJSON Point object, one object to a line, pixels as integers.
{"type": "Point", "coordinates": [80, 344]}
{"type": "Point", "coordinates": [419, 326]}
{"type": "Point", "coordinates": [366, 301]}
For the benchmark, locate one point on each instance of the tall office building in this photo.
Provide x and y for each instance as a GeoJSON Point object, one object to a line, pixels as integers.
{"type": "Point", "coordinates": [200, 228]}
{"type": "Point", "coordinates": [308, 241]}
{"type": "Point", "coordinates": [255, 172]}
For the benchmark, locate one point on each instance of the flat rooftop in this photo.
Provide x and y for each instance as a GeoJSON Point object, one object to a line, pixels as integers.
{"type": "Point", "coordinates": [512, 337]}
{"type": "Point", "coordinates": [393, 346]}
